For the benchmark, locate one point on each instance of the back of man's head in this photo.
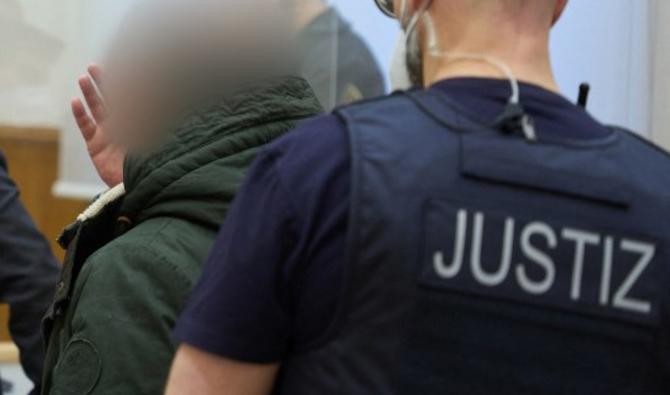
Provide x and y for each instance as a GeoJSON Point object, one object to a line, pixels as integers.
{"type": "Point", "coordinates": [514, 32]}
{"type": "Point", "coordinates": [525, 15]}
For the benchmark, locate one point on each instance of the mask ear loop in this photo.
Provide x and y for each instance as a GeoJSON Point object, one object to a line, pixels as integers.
{"type": "Point", "coordinates": [410, 27]}
{"type": "Point", "coordinates": [514, 115]}
{"type": "Point", "coordinates": [403, 12]}
{"type": "Point", "coordinates": [414, 20]}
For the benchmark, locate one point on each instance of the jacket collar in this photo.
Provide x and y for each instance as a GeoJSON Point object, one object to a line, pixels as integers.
{"type": "Point", "coordinates": [107, 199]}
{"type": "Point", "coordinates": [185, 166]}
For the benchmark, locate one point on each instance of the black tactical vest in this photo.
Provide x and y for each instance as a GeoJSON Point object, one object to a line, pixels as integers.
{"type": "Point", "coordinates": [482, 263]}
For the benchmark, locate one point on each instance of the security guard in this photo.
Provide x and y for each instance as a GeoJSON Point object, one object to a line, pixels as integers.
{"type": "Point", "coordinates": [479, 236]}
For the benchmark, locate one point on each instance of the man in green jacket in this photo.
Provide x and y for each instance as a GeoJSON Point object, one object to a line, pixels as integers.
{"type": "Point", "coordinates": [135, 254]}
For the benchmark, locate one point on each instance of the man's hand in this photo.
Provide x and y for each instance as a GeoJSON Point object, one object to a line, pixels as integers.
{"type": "Point", "coordinates": [107, 157]}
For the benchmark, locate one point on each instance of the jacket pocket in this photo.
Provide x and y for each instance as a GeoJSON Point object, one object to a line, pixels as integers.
{"type": "Point", "coordinates": [78, 369]}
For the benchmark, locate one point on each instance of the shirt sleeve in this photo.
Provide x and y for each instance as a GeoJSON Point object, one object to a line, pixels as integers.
{"type": "Point", "coordinates": [28, 275]}
{"type": "Point", "coordinates": [237, 310]}
{"type": "Point", "coordinates": [273, 280]}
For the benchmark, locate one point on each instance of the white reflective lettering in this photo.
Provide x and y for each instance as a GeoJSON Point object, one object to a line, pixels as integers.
{"type": "Point", "coordinates": [540, 244]}
{"type": "Point", "coordinates": [581, 239]}
{"type": "Point", "coordinates": [606, 279]}
{"type": "Point", "coordinates": [621, 298]}
{"type": "Point", "coordinates": [491, 279]}
{"type": "Point", "coordinates": [537, 256]}
{"type": "Point", "coordinates": [450, 271]}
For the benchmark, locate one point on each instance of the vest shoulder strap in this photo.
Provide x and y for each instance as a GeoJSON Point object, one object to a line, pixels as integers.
{"type": "Point", "coordinates": [641, 139]}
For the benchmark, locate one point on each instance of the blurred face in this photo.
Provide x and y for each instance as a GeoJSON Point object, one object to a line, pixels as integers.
{"type": "Point", "coordinates": [168, 60]}
{"type": "Point", "coordinates": [138, 86]}
{"type": "Point", "coordinates": [135, 104]}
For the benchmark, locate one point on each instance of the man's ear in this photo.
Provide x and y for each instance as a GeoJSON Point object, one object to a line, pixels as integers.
{"type": "Point", "coordinates": [558, 10]}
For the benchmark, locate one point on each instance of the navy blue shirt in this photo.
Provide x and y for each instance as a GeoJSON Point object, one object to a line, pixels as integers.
{"type": "Point", "coordinates": [273, 281]}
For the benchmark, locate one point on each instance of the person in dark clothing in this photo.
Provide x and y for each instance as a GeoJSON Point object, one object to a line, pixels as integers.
{"type": "Point", "coordinates": [28, 276]}
{"type": "Point", "coordinates": [335, 60]}
{"type": "Point", "coordinates": [481, 235]}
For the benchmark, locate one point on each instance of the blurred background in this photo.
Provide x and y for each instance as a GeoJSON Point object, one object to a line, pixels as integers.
{"type": "Point", "coordinates": [620, 47]}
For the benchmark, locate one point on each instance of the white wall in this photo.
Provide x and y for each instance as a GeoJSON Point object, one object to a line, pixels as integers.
{"type": "Point", "coordinates": [660, 11]}
{"type": "Point", "coordinates": [98, 21]}
{"type": "Point", "coordinates": [607, 43]}
{"type": "Point", "coordinates": [31, 99]}
{"type": "Point", "coordinates": [44, 101]}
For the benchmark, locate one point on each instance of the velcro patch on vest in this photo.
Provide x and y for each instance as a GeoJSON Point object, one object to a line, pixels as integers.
{"type": "Point", "coordinates": [541, 262]}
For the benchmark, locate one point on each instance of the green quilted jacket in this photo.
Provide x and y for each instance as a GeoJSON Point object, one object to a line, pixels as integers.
{"type": "Point", "coordinates": [135, 254]}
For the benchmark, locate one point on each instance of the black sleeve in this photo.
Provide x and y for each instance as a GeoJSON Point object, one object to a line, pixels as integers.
{"type": "Point", "coordinates": [273, 281]}
{"type": "Point", "coordinates": [237, 311]}
{"type": "Point", "coordinates": [28, 275]}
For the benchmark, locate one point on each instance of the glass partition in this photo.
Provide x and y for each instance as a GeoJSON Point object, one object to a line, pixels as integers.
{"type": "Point", "coordinates": [346, 46]}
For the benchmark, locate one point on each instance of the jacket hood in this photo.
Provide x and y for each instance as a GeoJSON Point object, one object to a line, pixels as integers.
{"type": "Point", "coordinates": [197, 172]}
